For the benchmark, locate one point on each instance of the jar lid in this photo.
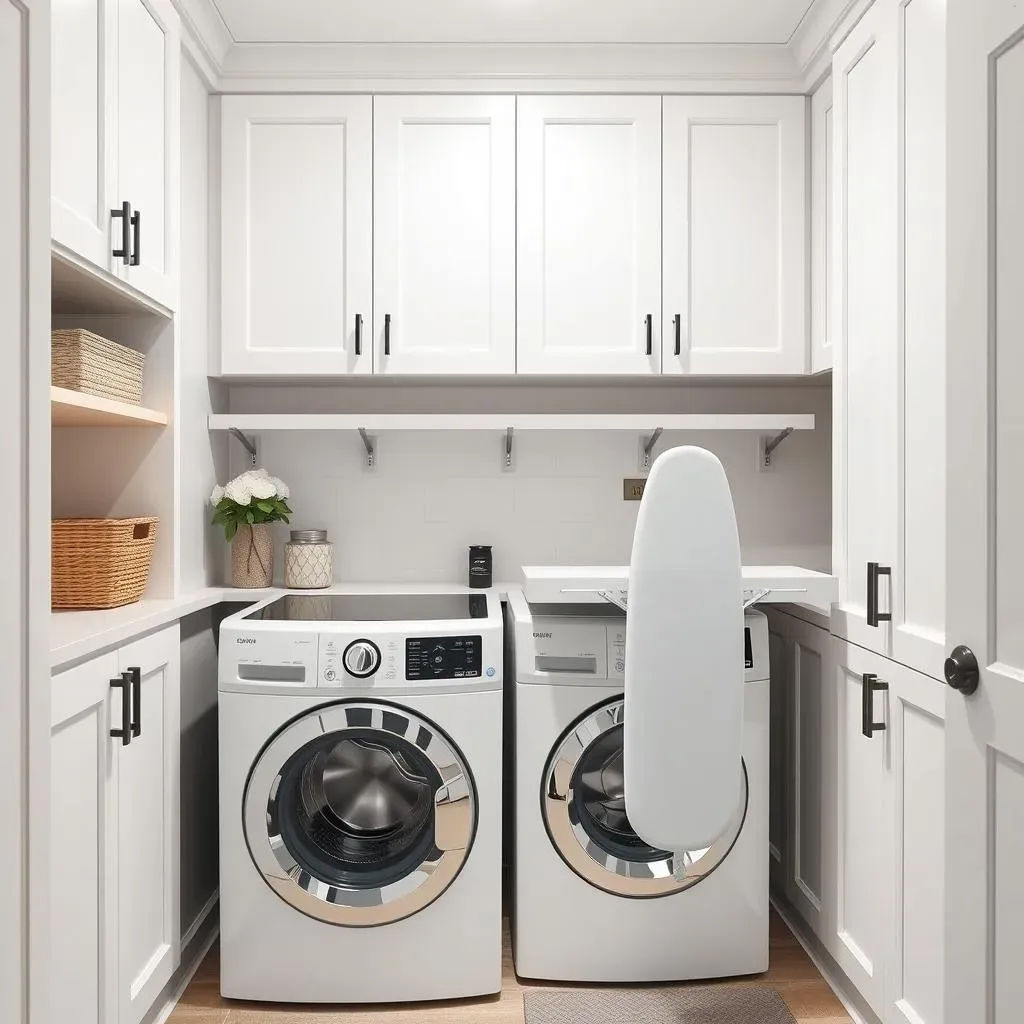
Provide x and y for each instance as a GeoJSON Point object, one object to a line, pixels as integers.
{"type": "Point", "coordinates": [309, 536]}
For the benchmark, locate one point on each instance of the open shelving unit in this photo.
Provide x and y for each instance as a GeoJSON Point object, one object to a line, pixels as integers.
{"type": "Point", "coordinates": [73, 409]}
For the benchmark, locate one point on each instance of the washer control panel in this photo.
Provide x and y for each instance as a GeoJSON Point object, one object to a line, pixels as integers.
{"type": "Point", "coordinates": [443, 657]}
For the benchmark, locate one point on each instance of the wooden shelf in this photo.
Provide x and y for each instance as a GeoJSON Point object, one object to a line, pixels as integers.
{"type": "Point", "coordinates": [767, 422]}
{"type": "Point", "coordinates": [73, 409]}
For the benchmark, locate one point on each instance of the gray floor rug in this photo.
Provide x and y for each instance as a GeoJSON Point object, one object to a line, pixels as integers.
{"type": "Point", "coordinates": [714, 1004]}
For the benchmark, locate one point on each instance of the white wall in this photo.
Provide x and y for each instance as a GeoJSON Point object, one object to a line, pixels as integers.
{"type": "Point", "coordinates": [434, 493]}
{"type": "Point", "coordinates": [203, 455]}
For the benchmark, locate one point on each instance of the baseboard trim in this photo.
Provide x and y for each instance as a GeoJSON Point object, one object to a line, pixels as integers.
{"type": "Point", "coordinates": [853, 1002]}
{"type": "Point", "coordinates": [195, 944]}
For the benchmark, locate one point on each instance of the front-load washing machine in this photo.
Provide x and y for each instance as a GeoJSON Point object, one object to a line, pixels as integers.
{"type": "Point", "coordinates": [360, 797]}
{"type": "Point", "coordinates": [593, 901]}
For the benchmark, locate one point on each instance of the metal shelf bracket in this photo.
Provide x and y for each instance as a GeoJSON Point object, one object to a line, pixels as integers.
{"type": "Point", "coordinates": [508, 447]}
{"type": "Point", "coordinates": [768, 446]}
{"type": "Point", "coordinates": [249, 444]}
{"type": "Point", "coordinates": [647, 448]}
{"type": "Point", "coordinates": [371, 451]}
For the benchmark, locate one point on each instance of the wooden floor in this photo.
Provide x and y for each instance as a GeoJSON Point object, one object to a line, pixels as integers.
{"type": "Point", "coordinates": [791, 973]}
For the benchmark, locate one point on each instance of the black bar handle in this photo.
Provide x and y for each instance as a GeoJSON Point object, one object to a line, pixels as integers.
{"type": "Point", "coordinates": [874, 615]}
{"type": "Point", "coordinates": [125, 252]}
{"type": "Point", "coordinates": [677, 321]}
{"type": "Point", "coordinates": [871, 684]}
{"type": "Point", "coordinates": [649, 320]}
{"type": "Point", "coordinates": [124, 734]}
{"type": "Point", "coordinates": [134, 675]}
{"type": "Point", "coordinates": [359, 334]}
{"type": "Point", "coordinates": [387, 334]}
{"type": "Point", "coordinates": [136, 238]}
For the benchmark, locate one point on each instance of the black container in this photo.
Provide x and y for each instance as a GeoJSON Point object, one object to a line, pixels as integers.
{"type": "Point", "coordinates": [480, 566]}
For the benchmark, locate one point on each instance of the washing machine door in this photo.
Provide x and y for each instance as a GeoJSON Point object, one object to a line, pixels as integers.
{"type": "Point", "coordinates": [585, 815]}
{"type": "Point", "coordinates": [359, 813]}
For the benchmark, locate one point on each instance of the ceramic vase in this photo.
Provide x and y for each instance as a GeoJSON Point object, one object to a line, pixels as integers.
{"type": "Point", "coordinates": [252, 557]}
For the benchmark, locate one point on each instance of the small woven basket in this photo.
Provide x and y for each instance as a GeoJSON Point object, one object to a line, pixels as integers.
{"type": "Point", "coordinates": [100, 563]}
{"type": "Point", "coordinates": [85, 362]}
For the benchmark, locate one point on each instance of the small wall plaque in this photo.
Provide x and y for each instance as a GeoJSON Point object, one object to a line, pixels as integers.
{"type": "Point", "coordinates": [633, 490]}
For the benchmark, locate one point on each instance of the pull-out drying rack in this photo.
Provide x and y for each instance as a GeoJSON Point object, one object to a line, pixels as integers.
{"type": "Point", "coordinates": [596, 584]}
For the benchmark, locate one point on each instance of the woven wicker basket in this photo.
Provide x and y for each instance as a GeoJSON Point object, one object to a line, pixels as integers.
{"type": "Point", "coordinates": [85, 362]}
{"type": "Point", "coordinates": [100, 563]}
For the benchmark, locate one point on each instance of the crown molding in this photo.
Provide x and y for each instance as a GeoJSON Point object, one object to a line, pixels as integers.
{"type": "Point", "coordinates": [823, 28]}
{"type": "Point", "coordinates": [206, 35]}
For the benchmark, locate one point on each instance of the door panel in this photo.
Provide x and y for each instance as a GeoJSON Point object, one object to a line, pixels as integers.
{"type": "Point", "coordinates": [296, 262]}
{"type": "Point", "coordinates": [866, 371]}
{"type": "Point", "coordinates": [735, 225]}
{"type": "Point", "coordinates": [822, 227]}
{"type": "Point", "coordinates": [589, 234]}
{"type": "Point", "coordinates": [147, 808]}
{"type": "Point", "coordinates": [781, 789]}
{"type": "Point", "coordinates": [82, 34]}
{"type": "Point", "coordinates": [984, 836]}
{"type": "Point", "coordinates": [148, 59]}
{"type": "Point", "coordinates": [444, 233]}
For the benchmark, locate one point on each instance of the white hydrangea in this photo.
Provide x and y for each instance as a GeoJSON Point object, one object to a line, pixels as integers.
{"type": "Point", "coordinates": [254, 483]}
{"type": "Point", "coordinates": [238, 490]}
{"type": "Point", "coordinates": [281, 488]}
{"type": "Point", "coordinates": [217, 496]}
{"type": "Point", "coordinates": [262, 487]}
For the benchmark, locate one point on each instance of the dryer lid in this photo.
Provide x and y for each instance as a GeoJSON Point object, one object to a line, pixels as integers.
{"type": "Point", "coordinates": [684, 656]}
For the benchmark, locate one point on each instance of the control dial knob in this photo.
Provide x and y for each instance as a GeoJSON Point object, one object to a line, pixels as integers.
{"type": "Point", "coordinates": [361, 658]}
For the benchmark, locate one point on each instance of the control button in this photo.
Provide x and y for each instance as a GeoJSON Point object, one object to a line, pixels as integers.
{"type": "Point", "coordinates": [490, 671]}
{"type": "Point", "coordinates": [620, 666]}
{"type": "Point", "coordinates": [330, 675]}
{"type": "Point", "coordinates": [361, 658]}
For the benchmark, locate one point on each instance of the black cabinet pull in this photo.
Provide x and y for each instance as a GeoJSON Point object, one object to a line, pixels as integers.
{"type": "Point", "coordinates": [124, 734]}
{"type": "Point", "coordinates": [136, 238]}
{"type": "Point", "coordinates": [649, 320]}
{"type": "Point", "coordinates": [125, 252]}
{"type": "Point", "coordinates": [134, 675]}
{"type": "Point", "coordinates": [961, 670]}
{"type": "Point", "coordinates": [871, 684]}
{"type": "Point", "coordinates": [677, 322]}
{"type": "Point", "coordinates": [874, 615]}
{"type": "Point", "coordinates": [387, 334]}
{"type": "Point", "coordinates": [359, 334]}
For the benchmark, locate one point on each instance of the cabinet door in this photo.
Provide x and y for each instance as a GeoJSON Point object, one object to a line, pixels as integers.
{"type": "Point", "coordinates": [296, 234]}
{"type": "Point", "coordinates": [81, 41]}
{"type": "Point", "coordinates": [918, 761]}
{"type": "Point", "coordinates": [919, 576]}
{"type": "Point", "coordinates": [822, 227]}
{"type": "Point", "coordinates": [83, 843]}
{"type": "Point", "coordinates": [862, 917]}
{"type": "Point", "coordinates": [147, 827]}
{"type": "Point", "coordinates": [735, 234]}
{"type": "Point", "coordinates": [589, 235]}
{"type": "Point", "coordinates": [148, 65]}
{"type": "Point", "coordinates": [865, 421]}
{"type": "Point", "coordinates": [444, 203]}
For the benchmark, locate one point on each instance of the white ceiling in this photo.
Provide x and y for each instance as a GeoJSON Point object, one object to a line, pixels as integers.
{"type": "Point", "coordinates": [512, 21]}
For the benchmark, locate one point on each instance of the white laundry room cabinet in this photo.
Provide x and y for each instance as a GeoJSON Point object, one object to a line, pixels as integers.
{"type": "Point", "coordinates": [114, 832]}
{"type": "Point", "coordinates": [889, 330]}
{"type": "Point", "coordinates": [735, 226]}
{"type": "Point", "coordinates": [822, 268]}
{"type": "Point", "coordinates": [296, 203]}
{"type": "Point", "coordinates": [114, 148]}
{"type": "Point", "coordinates": [589, 235]}
{"type": "Point", "coordinates": [444, 234]}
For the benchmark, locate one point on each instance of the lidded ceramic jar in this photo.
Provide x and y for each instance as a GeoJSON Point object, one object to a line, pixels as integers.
{"type": "Point", "coordinates": [308, 560]}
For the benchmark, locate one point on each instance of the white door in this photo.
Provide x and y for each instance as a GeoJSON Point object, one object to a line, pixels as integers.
{"type": "Point", "coordinates": [82, 37]}
{"type": "Point", "coordinates": [822, 227]}
{"type": "Point", "coordinates": [862, 914]}
{"type": "Point", "coordinates": [589, 235]}
{"type": "Point", "coordinates": [296, 235]}
{"type": "Point", "coordinates": [148, 64]}
{"type": "Point", "coordinates": [444, 234]}
{"type": "Point", "coordinates": [83, 842]}
{"type": "Point", "coordinates": [985, 495]}
{"type": "Point", "coordinates": [865, 388]}
{"type": "Point", "coordinates": [735, 235]}
{"type": "Point", "coordinates": [148, 937]}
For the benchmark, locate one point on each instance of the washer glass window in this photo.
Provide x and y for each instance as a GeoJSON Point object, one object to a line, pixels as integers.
{"type": "Point", "coordinates": [359, 813]}
{"type": "Point", "coordinates": [585, 815]}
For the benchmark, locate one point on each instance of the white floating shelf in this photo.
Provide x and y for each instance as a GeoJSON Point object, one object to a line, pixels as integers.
{"type": "Point", "coordinates": [767, 422]}
{"type": "Point", "coordinates": [73, 409]}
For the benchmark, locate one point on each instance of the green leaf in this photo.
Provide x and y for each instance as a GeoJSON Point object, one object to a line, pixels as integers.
{"type": "Point", "coordinates": [250, 518]}
{"type": "Point", "coordinates": [230, 530]}
{"type": "Point", "coordinates": [265, 506]}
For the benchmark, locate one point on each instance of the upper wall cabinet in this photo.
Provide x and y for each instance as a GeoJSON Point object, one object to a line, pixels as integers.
{"type": "Point", "coordinates": [589, 252]}
{"type": "Point", "coordinates": [735, 235]}
{"type": "Point", "coordinates": [444, 202]}
{"type": "Point", "coordinates": [115, 80]}
{"type": "Point", "coordinates": [822, 206]}
{"type": "Point", "coordinates": [296, 234]}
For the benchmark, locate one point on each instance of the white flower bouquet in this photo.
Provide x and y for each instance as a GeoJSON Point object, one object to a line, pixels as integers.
{"type": "Point", "coordinates": [251, 499]}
